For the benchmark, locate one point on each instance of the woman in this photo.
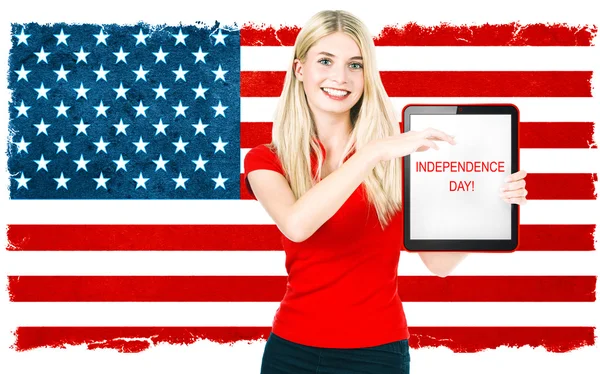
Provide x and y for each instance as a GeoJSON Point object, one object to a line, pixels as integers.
{"type": "Point", "coordinates": [331, 180]}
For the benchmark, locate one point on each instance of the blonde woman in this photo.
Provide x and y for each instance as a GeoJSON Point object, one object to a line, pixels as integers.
{"type": "Point", "coordinates": [331, 181]}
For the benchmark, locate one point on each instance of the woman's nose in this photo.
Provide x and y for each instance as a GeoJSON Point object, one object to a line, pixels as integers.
{"type": "Point", "coordinates": [339, 74]}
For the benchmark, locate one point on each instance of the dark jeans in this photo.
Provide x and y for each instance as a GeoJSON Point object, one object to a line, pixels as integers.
{"type": "Point", "coordinates": [283, 356]}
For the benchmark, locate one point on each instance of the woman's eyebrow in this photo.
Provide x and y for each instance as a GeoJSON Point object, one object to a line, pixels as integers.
{"type": "Point", "coordinates": [332, 55]}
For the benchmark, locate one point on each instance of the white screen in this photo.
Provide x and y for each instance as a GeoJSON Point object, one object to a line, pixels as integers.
{"type": "Point", "coordinates": [441, 210]}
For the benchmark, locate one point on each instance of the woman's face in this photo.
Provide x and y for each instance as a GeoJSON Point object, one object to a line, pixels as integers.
{"type": "Point", "coordinates": [332, 74]}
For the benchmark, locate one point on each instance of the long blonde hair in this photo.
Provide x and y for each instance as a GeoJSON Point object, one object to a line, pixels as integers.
{"type": "Point", "coordinates": [294, 134]}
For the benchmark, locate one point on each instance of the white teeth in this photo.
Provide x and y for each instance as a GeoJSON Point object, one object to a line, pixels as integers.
{"type": "Point", "coordinates": [333, 92]}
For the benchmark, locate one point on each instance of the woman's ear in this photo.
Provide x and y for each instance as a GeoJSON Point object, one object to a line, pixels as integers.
{"type": "Point", "coordinates": [298, 69]}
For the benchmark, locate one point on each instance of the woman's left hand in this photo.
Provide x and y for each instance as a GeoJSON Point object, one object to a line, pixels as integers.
{"type": "Point", "coordinates": [514, 192]}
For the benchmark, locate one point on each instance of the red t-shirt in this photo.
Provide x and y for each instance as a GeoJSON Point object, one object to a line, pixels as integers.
{"type": "Point", "coordinates": [342, 286]}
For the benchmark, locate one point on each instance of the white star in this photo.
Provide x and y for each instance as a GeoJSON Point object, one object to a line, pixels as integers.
{"type": "Point", "coordinates": [22, 109]}
{"type": "Point", "coordinates": [42, 91]}
{"type": "Point", "coordinates": [62, 37]}
{"type": "Point", "coordinates": [62, 109]}
{"type": "Point", "coordinates": [42, 164]}
{"type": "Point", "coordinates": [81, 91]}
{"type": "Point", "coordinates": [220, 109]}
{"type": "Point", "coordinates": [62, 145]}
{"type": "Point", "coordinates": [200, 55]}
{"type": "Point", "coordinates": [180, 145]}
{"type": "Point", "coordinates": [160, 56]}
{"type": "Point", "coordinates": [220, 145]}
{"type": "Point", "coordinates": [42, 127]}
{"type": "Point", "coordinates": [220, 181]}
{"type": "Point", "coordinates": [220, 73]}
{"type": "Point", "coordinates": [101, 109]}
{"type": "Point", "coordinates": [180, 74]}
{"type": "Point", "coordinates": [22, 181]}
{"type": "Point", "coordinates": [141, 38]}
{"type": "Point", "coordinates": [180, 109]}
{"type": "Point", "coordinates": [23, 73]}
{"type": "Point", "coordinates": [219, 38]}
{"type": "Point", "coordinates": [22, 145]}
{"type": "Point", "coordinates": [160, 127]}
{"type": "Point", "coordinates": [101, 37]}
{"type": "Point", "coordinates": [81, 55]}
{"type": "Point", "coordinates": [200, 163]}
{"type": "Point", "coordinates": [23, 37]}
{"type": "Point", "coordinates": [200, 127]}
{"type": "Point", "coordinates": [141, 74]}
{"type": "Point", "coordinates": [160, 91]}
{"type": "Point", "coordinates": [160, 163]}
{"type": "Point", "coordinates": [180, 37]}
{"type": "Point", "coordinates": [101, 181]}
{"type": "Point", "coordinates": [81, 127]}
{"type": "Point", "coordinates": [121, 56]}
{"type": "Point", "coordinates": [101, 73]}
{"type": "Point", "coordinates": [141, 181]}
{"type": "Point", "coordinates": [121, 91]}
{"type": "Point", "coordinates": [121, 127]}
{"type": "Point", "coordinates": [200, 91]}
{"type": "Point", "coordinates": [81, 163]}
{"type": "Point", "coordinates": [121, 163]}
{"type": "Point", "coordinates": [141, 146]}
{"type": "Point", "coordinates": [101, 146]}
{"type": "Point", "coordinates": [42, 56]}
{"type": "Point", "coordinates": [141, 110]}
{"type": "Point", "coordinates": [62, 73]}
{"type": "Point", "coordinates": [62, 181]}
{"type": "Point", "coordinates": [180, 181]}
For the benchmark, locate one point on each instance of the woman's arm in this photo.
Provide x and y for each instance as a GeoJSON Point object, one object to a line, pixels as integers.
{"type": "Point", "coordinates": [442, 263]}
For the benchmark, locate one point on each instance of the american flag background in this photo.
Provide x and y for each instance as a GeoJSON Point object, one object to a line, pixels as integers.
{"type": "Point", "coordinates": [132, 246]}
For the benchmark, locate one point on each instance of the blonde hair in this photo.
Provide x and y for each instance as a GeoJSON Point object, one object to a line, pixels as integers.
{"type": "Point", "coordinates": [372, 117]}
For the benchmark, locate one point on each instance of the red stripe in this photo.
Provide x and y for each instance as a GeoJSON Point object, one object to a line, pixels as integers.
{"type": "Point", "coordinates": [561, 186]}
{"type": "Point", "coordinates": [239, 237]}
{"type": "Point", "coordinates": [449, 83]}
{"type": "Point", "coordinates": [272, 288]}
{"type": "Point", "coordinates": [412, 34]}
{"type": "Point", "coordinates": [458, 339]}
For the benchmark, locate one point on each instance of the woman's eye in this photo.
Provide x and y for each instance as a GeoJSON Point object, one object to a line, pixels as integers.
{"type": "Point", "coordinates": [327, 61]}
{"type": "Point", "coordinates": [356, 65]}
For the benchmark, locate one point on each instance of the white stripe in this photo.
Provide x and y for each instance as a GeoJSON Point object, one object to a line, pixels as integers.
{"type": "Point", "coordinates": [247, 212]}
{"type": "Point", "coordinates": [465, 58]}
{"type": "Point", "coordinates": [563, 109]}
{"type": "Point", "coordinates": [272, 263]}
{"type": "Point", "coordinates": [261, 314]}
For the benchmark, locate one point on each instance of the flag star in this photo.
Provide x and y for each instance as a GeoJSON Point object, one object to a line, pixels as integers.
{"type": "Point", "coordinates": [81, 91]}
{"type": "Point", "coordinates": [121, 56]}
{"type": "Point", "coordinates": [180, 181]}
{"type": "Point", "coordinates": [180, 109]}
{"type": "Point", "coordinates": [121, 163]}
{"type": "Point", "coordinates": [22, 109]}
{"type": "Point", "coordinates": [62, 109]}
{"type": "Point", "coordinates": [101, 74]}
{"type": "Point", "coordinates": [101, 181]}
{"type": "Point", "coordinates": [81, 163]}
{"type": "Point", "coordinates": [160, 163]}
{"type": "Point", "coordinates": [42, 163]}
{"type": "Point", "coordinates": [220, 181]}
{"type": "Point", "coordinates": [23, 73]}
{"type": "Point", "coordinates": [121, 91]}
{"type": "Point", "coordinates": [141, 73]}
{"type": "Point", "coordinates": [141, 181]}
{"type": "Point", "coordinates": [200, 163]}
{"type": "Point", "coordinates": [23, 37]}
{"type": "Point", "coordinates": [180, 74]}
{"type": "Point", "coordinates": [200, 91]}
{"type": "Point", "coordinates": [22, 181]}
{"type": "Point", "coordinates": [160, 127]}
{"type": "Point", "coordinates": [101, 146]}
{"type": "Point", "coordinates": [121, 127]}
{"type": "Point", "coordinates": [200, 127]}
{"type": "Point", "coordinates": [180, 37]}
{"type": "Point", "coordinates": [160, 91]}
{"type": "Point", "coordinates": [22, 145]}
{"type": "Point", "coordinates": [62, 73]}
{"type": "Point", "coordinates": [141, 110]}
{"type": "Point", "coordinates": [42, 127]}
{"type": "Point", "coordinates": [101, 37]}
{"type": "Point", "coordinates": [42, 91]}
{"type": "Point", "coordinates": [220, 38]}
{"type": "Point", "coordinates": [101, 109]}
{"type": "Point", "coordinates": [81, 127]}
{"type": "Point", "coordinates": [180, 145]}
{"type": "Point", "coordinates": [141, 146]}
{"type": "Point", "coordinates": [62, 37]}
{"type": "Point", "coordinates": [140, 38]}
{"type": "Point", "coordinates": [200, 55]}
{"type": "Point", "coordinates": [220, 145]}
{"type": "Point", "coordinates": [81, 55]}
{"type": "Point", "coordinates": [160, 56]}
{"type": "Point", "coordinates": [220, 74]}
{"type": "Point", "coordinates": [220, 109]}
{"type": "Point", "coordinates": [62, 181]}
{"type": "Point", "coordinates": [42, 56]}
{"type": "Point", "coordinates": [62, 145]}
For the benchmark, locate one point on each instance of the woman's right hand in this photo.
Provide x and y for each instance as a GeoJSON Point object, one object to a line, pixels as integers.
{"type": "Point", "coordinates": [406, 143]}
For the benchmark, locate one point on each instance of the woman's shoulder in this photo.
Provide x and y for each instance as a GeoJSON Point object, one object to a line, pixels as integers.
{"type": "Point", "coordinates": [262, 156]}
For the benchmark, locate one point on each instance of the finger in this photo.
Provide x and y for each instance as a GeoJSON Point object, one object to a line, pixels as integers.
{"type": "Point", "coordinates": [516, 176]}
{"type": "Point", "coordinates": [431, 144]}
{"type": "Point", "coordinates": [514, 185]}
{"type": "Point", "coordinates": [439, 135]}
{"type": "Point", "coordinates": [516, 200]}
{"type": "Point", "coordinates": [517, 193]}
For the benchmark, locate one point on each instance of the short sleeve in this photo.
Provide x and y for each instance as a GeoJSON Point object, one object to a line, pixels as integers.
{"type": "Point", "coordinates": [260, 157]}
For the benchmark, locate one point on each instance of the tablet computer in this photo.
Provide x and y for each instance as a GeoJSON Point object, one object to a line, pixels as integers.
{"type": "Point", "coordinates": [452, 195]}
